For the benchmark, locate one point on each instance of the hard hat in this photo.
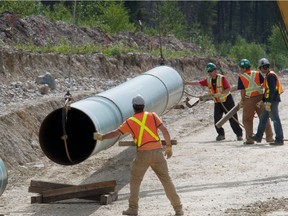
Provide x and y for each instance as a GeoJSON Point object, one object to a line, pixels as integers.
{"type": "Point", "coordinates": [263, 61]}
{"type": "Point", "coordinates": [210, 67]}
{"type": "Point", "coordinates": [244, 63]}
{"type": "Point", "coordinates": [138, 100]}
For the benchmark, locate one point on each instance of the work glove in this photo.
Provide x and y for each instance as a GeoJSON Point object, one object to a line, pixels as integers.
{"type": "Point", "coordinates": [259, 104]}
{"type": "Point", "coordinates": [186, 82]}
{"type": "Point", "coordinates": [98, 136]}
{"type": "Point", "coordinates": [168, 151]}
{"type": "Point", "coordinates": [268, 106]}
{"type": "Point", "coordinates": [241, 104]}
{"type": "Point", "coordinates": [216, 95]}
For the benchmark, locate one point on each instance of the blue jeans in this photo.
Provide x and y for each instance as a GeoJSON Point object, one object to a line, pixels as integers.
{"type": "Point", "coordinates": [274, 114]}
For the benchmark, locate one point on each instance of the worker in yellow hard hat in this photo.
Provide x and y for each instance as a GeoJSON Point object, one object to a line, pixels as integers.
{"type": "Point", "coordinates": [143, 126]}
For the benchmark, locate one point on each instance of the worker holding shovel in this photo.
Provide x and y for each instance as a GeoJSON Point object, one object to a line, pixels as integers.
{"type": "Point", "coordinates": [219, 88]}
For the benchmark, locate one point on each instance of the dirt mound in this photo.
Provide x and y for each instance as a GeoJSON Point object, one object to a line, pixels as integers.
{"type": "Point", "coordinates": [38, 30]}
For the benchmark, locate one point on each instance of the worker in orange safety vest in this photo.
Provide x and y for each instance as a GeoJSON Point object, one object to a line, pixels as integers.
{"type": "Point", "coordinates": [271, 98]}
{"type": "Point", "coordinates": [250, 83]}
{"type": "Point", "coordinates": [143, 126]}
{"type": "Point", "coordinates": [219, 88]}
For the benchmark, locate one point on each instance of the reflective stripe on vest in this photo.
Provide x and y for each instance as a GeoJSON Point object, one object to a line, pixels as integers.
{"type": "Point", "coordinates": [279, 88]}
{"type": "Point", "coordinates": [143, 127]}
{"type": "Point", "coordinates": [252, 88]}
{"type": "Point", "coordinates": [219, 88]}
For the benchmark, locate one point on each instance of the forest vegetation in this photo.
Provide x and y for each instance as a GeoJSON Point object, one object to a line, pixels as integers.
{"type": "Point", "coordinates": [233, 29]}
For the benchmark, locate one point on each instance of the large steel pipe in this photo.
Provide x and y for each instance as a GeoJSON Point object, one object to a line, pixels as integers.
{"type": "Point", "coordinates": [3, 177]}
{"type": "Point", "coordinates": [162, 88]}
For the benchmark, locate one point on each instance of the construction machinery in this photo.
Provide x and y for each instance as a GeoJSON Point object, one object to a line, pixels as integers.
{"type": "Point", "coordinates": [283, 19]}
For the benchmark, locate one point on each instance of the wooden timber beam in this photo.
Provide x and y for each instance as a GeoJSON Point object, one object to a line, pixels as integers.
{"type": "Point", "coordinates": [51, 192]}
{"type": "Point", "coordinates": [131, 143]}
{"type": "Point", "coordinates": [40, 186]}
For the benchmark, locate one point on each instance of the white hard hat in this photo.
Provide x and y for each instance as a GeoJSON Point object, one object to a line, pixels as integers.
{"type": "Point", "coordinates": [263, 61]}
{"type": "Point", "coordinates": [138, 100]}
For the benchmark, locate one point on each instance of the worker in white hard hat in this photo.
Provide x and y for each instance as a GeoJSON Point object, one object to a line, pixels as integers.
{"type": "Point", "coordinates": [143, 126]}
{"type": "Point", "coordinates": [271, 98]}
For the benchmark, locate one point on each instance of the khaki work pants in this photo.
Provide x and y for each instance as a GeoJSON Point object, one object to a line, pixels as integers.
{"type": "Point", "coordinates": [156, 160]}
{"type": "Point", "coordinates": [249, 109]}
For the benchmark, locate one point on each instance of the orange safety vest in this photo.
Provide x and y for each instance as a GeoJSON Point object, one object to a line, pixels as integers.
{"type": "Point", "coordinates": [279, 88]}
{"type": "Point", "coordinates": [251, 83]}
{"type": "Point", "coordinates": [144, 128]}
{"type": "Point", "coordinates": [219, 88]}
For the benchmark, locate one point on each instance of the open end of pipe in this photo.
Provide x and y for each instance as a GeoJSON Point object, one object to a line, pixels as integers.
{"type": "Point", "coordinates": [79, 144]}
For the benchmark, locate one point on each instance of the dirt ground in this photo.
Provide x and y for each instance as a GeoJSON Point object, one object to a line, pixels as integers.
{"type": "Point", "coordinates": [212, 178]}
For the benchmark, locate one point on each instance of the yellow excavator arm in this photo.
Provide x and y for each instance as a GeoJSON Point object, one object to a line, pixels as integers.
{"type": "Point", "coordinates": [283, 7]}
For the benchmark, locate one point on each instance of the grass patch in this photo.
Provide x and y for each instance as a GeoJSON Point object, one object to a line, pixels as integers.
{"type": "Point", "coordinates": [115, 50]}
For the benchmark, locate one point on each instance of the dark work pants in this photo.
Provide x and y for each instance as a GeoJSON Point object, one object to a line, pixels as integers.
{"type": "Point", "coordinates": [219, 110]}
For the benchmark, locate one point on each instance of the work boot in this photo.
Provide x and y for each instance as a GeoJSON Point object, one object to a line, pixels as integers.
{"type": "Point", "coordinates": [239, 138]}
{"type": "Point", "coordinates": [255, 138]}
{"type": "Point", "coordinates": [220, 137]}
{"type": "Point", "coordinates": [249, 142]}
{"type": "Point", "coordinates": [179, 212]}
{"type": "Point", "coordinates": [130, 211]}
{"type": "Point", "coordinates": [277, 142]}
{"type": "Point", "coordinates": [270, 140]}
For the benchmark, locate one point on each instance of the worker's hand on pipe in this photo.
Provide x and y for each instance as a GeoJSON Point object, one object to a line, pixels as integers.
{"type": "Point", "coordinates": [268, 106]}
{"type": "Point", "coordinates": [98, 136]}
{"type": "Point", "coordinates": [186, 82]}
{"type": "Point", "coordinates": [168, 151]}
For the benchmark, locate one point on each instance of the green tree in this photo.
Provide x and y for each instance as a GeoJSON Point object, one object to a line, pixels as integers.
{"type": "Point", "coordinates": [23, 8]}
{"type": "Point", "coordinates": [59, 12]}
{"type": "Point", "coordinates": [277, 49]}
{"type": "Point", "coordinates": [172, 21]}
{"type": "Point", "coordinates": [251, 51]}
{"type": "Point", "coordinates": [87, 13]}
{"type": "Point", "coordinates": [114, 18]}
